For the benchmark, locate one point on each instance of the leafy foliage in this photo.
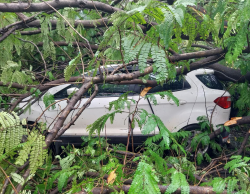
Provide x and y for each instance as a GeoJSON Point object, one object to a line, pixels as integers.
{"type": "Point", "coordinates": [48, 99]}
{"type": "Point", "coordinates": [163, 94]}
{"type": "Point", "coordinates": [11, 72]}
{"type": "Point", "coordinates": [145, 180]}
{"type": "Point", "coordinates": [99, 124]}
{"type": "Point", "coordinates": [70, 69]}
{"type": "Point", "coordinates": [120, 103]}
{"type": "Point", "coordinates": [133, 35]}
{"type": "Point", "coordinates": [11, 132]}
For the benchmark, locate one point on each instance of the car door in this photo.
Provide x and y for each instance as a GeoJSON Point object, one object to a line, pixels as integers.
{"type": "Point", "coordinates": [98, 107]}
{"type": "Point", "coordinates": [173, 116]}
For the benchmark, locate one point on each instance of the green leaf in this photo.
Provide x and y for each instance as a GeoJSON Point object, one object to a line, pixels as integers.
{"type": "Point", "coordinates": [175, 183]}
{"type": "Point", "coordinates": [48, 99]}
{"type": "Point", "coordinates": [219, 185]}
{"type": "Point", "coordinates": [199, 158]}
{"type": "Point", "coordinates": [145, 180]}
{"type": "Point", "coordinates": [17, 178]}
{"type": "Point", "coordinates": [232, 184]}
{"type": "Point", "coordinates": [185, 189]}
{"type": "Point", "coordinates": [149, 126]}
{"type": "Point", "coordinates": [70, 69]}
{"type": "Point", "coordinates": [62, 180]}
{"type": "Point", "coordinates": [165, 29]}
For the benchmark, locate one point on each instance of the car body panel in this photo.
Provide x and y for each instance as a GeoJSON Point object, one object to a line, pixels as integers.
{"type": "Point", "coordinates": [171, 114]}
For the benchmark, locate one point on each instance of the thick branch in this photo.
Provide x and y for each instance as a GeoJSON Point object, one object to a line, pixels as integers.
{"type": "Point", "coordinates": [198, 54]}
{"type": "Point", "coordinates": [6, 34]}
{"type": "Point", "coordinates": [125, 188]}
{"type": "Point", "coordinates": [25, 21]}
{"type": "Point", "coordinates": [72, 121]}
{"type": "Point", "coordinates": [35, 7]}
{"type": "Point", "coordinates": [199, 64]}
{"type": "Point", "coordinates": [59, 123]}
{"type": "Point", "coordinates": [85, 23]}
{"type": "Point", "coordinates": [238, 121]}
{"type": "Point", "coordinates": [229, 74]}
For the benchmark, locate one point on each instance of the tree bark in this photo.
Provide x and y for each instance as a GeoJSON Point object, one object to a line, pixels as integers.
{"type": "Point", "coordinates": [72, 121]}
{"type": "Point", "coordinates": [238, 121]}
{"type": "Point", "coordinates": [229, 74]}
{"type": "Point", "coordinates": [125, 188]}
{"type": "Point", "coordinates": [36, 7]}
{"type": "Point", "coordinates": [85, 23]}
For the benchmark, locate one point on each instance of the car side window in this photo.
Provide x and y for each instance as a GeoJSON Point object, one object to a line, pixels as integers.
{"type": "Point", "coordinates": [62, 93]}
{"type": "Point", "coordinates": [104, 90]}
{"type": "Point", "coordinates": [210, 81]}
{"type": "Point", "coordinates": [110, 90]}
{"type": "Point", "coordinates": [173, 85]}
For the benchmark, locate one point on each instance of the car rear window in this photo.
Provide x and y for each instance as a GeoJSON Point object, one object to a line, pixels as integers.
{"type": "Point", "coordinates": [174, 85]}
{"type": "Point", "coordinates": [210, 81]}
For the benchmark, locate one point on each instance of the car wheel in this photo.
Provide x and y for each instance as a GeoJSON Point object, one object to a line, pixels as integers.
{"type": "Point", "coordinates": [194, 132]}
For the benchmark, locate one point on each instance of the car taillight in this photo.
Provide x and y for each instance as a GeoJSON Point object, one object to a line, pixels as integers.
{"type": "Point", "coordinates": [223, 102]}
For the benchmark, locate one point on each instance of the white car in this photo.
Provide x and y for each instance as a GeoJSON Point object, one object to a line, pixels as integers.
{"type": "Point", "coordinates": [198, 94]}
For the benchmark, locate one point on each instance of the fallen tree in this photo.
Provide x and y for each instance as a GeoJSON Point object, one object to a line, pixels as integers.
{"type": "Point", "coordinates": [154, 36]}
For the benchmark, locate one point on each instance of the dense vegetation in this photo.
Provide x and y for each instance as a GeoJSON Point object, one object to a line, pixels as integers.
{"type": "Point", "coordinates": [47, 43]}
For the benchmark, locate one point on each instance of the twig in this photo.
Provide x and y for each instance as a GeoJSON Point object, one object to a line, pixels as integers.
{"type": "Point", "coordinates": [9, 180]}
{"type": "Point", "coordinates": [207, 172]}
{"type": "Point", "coordinates": [130, 129]}
{"type": "Point", "coordinates": [213, 171]}
{"type": "Point", "coordinates": [243, 143]}
{"type": "Point", "coordinates": [45, 65]}
{"type": "Point", "coordinates": [71, 27]}
{"type": "Point", "coordinates": [48, 108]}
{"type": "Point", "coordinates": [78, 113]}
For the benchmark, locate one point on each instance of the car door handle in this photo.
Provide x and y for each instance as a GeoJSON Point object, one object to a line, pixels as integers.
{"type": "Point", "coordinates": [171, 102]}
{"type": "Point", "coordinates": [181, 102]}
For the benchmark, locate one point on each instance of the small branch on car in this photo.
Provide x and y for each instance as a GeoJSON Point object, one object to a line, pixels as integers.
{"type": "Point", "coordinates": [85, 105]}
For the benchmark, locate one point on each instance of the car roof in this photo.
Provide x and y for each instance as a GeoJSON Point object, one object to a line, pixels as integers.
{"type": "Point", "coordinates": [135, 67]}
{"type": "Point", "coordinates": [201, 71]}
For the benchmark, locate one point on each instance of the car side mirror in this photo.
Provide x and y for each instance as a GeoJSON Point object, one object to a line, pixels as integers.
{"type": "Point", "coordinates": [71, 90]}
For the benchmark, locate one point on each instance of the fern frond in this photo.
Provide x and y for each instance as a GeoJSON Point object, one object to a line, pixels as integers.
{"type": "Point", "coordinates": [132, 46]}
{"type": "Point", "coordinates": [37, 154]}
{"type": "Point", "coordinates": [120, 103]}
{"type": "Point", "coordinates": [145, 180]}
{"type": "Point", "coordinates": [175, 183]}
{"type": "Point", "coordinates": [160, 62]}
{"type": "Point", "coordinates": [142, 59]}
{"type": "Point", "coordinates": [166, 28]}
{"type": "Point", "coordinates": [70, 69]}
{"type": "Point", "coordinates": [99, 124]}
